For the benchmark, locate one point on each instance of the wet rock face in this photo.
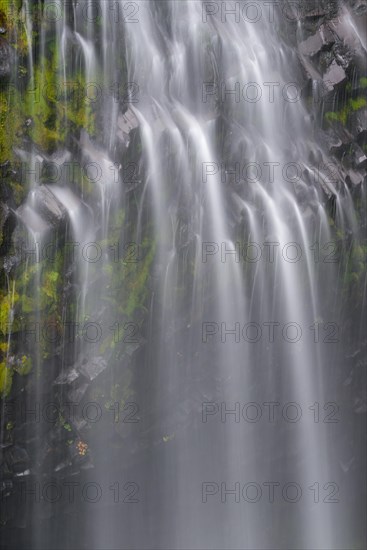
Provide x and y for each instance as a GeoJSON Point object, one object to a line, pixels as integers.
{"type": "Point", "coordinates": [331, 53]}
{"type": "Point", "coordinates": [328, 55]}
{"type": "Point", "coordinates": [359, 6]}
{"type": "Point", "coordinates": [125, 124]}
{"type": "Point", "coordinates": [91, 369]}
{"type": "Point", "coordinates": [334, 75]}
{"type": "Point", "coordinates": [47, 204]}
{"type": "Point", "coordinates": [14, 469]}
{"type": "Point", "coordinates": [314, 13]}
{"type": "Point", "coordinates": [7, 207]}
{"type": "Point", "coordinates": [88, 368]}
{"type": "Point", "coordinates": [322, 39]}
{"type": "Point", "coordinates": [7, 225]}
{"type": "Point", "coordinates": [17, 460]}
{"type": "Point", "coordinates": [6, 59]}
{"type": "Point", "coordinates": [43, 210]}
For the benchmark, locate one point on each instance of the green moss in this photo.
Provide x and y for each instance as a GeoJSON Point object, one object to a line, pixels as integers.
{"type": "Point", "coordinates": [38, 299]}
{"type": "Point", "coordinates": [12, 19]}
{"type": "Point", "coordinates": [11, 122]}
{"type": "Point", "coordinates": [45, 276]}
{"type": "Point", "coordinates": [4, 314]}
{"type": "Point", "coordinates": [19, 192]}
{"type": "Point", "coordinates": [56, 110]}
{"type": "Point", "coordinates": [24, 365]}
{"type": "Point", "coordinates": [49, 286]}
{"type": "Point", "coordinates": [355, 268]}
{"type": "Point", "coordinates": [41, 109]}
{"type": "Point", "coordinates": [332, 116]}
{"type": "Point", "coordinates": [6, 5]}
{"type": "Point", "coordinates": [120, 392]}
{"type": "Point", "coordinates": [7, 301]}
{"type": "Point", "coordinates": [127, 279]}
{"type": "Point", "coordinates": [352, 105]}
{"type": "Point", "coordinates": [363, 82]}
{"type": "Point", "coordinates": [6, 375]}
{"type": "Point", "coordinates": [61, 107]}
{"type": "Point", "coordinates": [127, 290]}
{"type": "Point", "coordinates": [358, 103]}
{"type": "Point", "coordinates": [4, 347]}
{"type": "Point", "coordinates": [108, 343]}
{"type": "Point", "coordinates": [358, 253]}
{"type": "Point", "coordinates": [167, 438]}
{"type": "Point", "coordinates": [137, 275]}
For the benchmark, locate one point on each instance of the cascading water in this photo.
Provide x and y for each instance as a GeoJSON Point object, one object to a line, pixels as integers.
{"type": "Point", "coordinates": [235, 285]}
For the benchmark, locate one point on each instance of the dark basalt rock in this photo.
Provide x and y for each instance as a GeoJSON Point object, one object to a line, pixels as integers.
{"type": "Point", "coordinates": [321, 39]}
{"type": "Point", "coordinates": [93, 368]}
{"type": "Point", "coordinates": [313, 13]}
{"type": "Point", "coordinates": [359, 123]}
{"type": "Point", "coordinates": [6, 59]}
{"type": "Point", "coordinates": [353, 178]}
{"type": "Point", "coordinates": [334, 75]}
{"type": "Point", "coordinates": [42, 211]}
{"type": "Point", "coordinates": [358, 159]}
{"type": "Point", "coordinates": [67, 377]}
{"type": "Point", "coordinates": [331, 52]}
{"type": "Point", "coordinates": [328, 55]}
{"type": "Point", "coordinates": [7, 226]}
{"type": "Point", "coordinates": [359, 6]}
{"type": "Point", "coordinates": [50, 208]}
{"type": "Point", "coordinates": [126, 123]}
{"type": "Point", "coordinates": [77, 393]}
{"type": "Point", "coordinates": [79, 378]}
{"type": "Point", "coordinates": [17, 461]}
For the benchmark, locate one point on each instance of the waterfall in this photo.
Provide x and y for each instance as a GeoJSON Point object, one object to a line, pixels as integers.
{"type": "Point", "coordinates": [206, 224]}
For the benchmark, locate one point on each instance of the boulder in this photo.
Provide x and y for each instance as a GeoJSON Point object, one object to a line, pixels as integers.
{"type": "Point", "coordinates": [333, 141]}
{"type": "Point", "coordinates": [334, 76]}
{"type": "Point", "coordinates": [125, 124]}
{"type": "Point", "coordinates": [353, 178]}
{"type": "Point", "coordinates": [42, 210]}
{"type": "Point", "coordinates": [18, 461]}
{"type": "Point", "coordinates": [47, 204]}
{"type": "Point", "coordinates": [92, 368]}
{"type": "Point", "coordinates": [359, 122]}
{"type": "Point", "coordinates": [359, 159]}
{"type": "Point", "coordinates": [348, 44]}
{"type": "Point", "coordinates": [314, 13]}
{"type": "Point", "coordinates": [31, 220]}
{"type": "Point", "coordinates": [321, 39]}
{"type": "Point", "coordinates": [77, 393]}
{"type": "Point", "coordinates": [67, 377]}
